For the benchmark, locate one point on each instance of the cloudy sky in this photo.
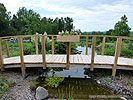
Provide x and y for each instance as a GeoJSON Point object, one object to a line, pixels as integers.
{"type": "Point", "coordinates": [88, 15]}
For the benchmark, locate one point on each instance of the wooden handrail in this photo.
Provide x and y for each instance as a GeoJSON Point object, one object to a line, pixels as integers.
{"type": "Point", "coordinates": [117, 49]}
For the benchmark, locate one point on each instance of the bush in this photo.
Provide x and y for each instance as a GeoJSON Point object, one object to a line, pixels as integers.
{"type": "Point", "coordinates": [53, 81]}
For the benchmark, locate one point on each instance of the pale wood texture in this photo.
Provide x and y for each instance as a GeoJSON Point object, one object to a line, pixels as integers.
{"type": "Point", "coordinates": [67, 57]}
{"type": "Point", "coordinates": [70, 48]}
{"type": "Point", "coordinates": [1, 59]}
{"type": "Point", "coordinates": [36, 44]}
{"type": "Point", "coordinates": [68, 38]}
{"type": "Point", "coordinates": [93, 53]}
{"type": "Point", "coordinates": [21, 55]}
{"type": "Point", "coordinates": [43, 52]}
{"type": "Point", "coordinates": [103, 45]}
{"type": "Point", "coordinates": [116, 56]}
{"type": "Point", "coordinates": [7, 49]}
{"type": "Point", "coordinates": [120, 46]}
{"type": "Point", "coordinates": [52, 44]}
{"type": "Point", "coordinates": [86, 45]}
{"type": "Point", "coordinates": [74, 59]}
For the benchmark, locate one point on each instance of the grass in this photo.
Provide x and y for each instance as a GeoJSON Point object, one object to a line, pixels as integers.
{"type": "Point", "coordinates": [130, 83]}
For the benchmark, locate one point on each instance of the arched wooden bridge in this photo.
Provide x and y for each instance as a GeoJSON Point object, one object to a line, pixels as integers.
{"type": "Point", "coordinates": [56, 60]}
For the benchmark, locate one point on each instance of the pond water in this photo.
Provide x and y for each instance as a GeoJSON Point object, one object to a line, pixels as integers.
{"type": "Point", "coordinates": [76, 85]}
{"type": "Point", "coordinates": [83, 50]}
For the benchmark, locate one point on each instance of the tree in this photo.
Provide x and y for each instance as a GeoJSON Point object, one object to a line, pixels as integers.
{"type": "Point", "coordinates": [121, 28]}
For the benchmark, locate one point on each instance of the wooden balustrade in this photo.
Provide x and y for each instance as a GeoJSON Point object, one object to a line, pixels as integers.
{"type": "Point", "coordinates": [86, 45]}
{"type": "Point", "coordinates": [116, 56]}
{"type": "Point", "coordinates": [43, 52]}
{"type": "Point", "coordinates": [36, 44]}
{"type": "Point", "coordinates": [1, 58]}
{"type": "Point", "coordinates": [52, 44]}
{"type": "Point", "coordinates": [93, 53]}
{"type": "Point", "coordinates": [103, 45]}
{"type": "Point", "coordinates": [117, 50]}
{"type": "Point", "coordinates": [21, 56]}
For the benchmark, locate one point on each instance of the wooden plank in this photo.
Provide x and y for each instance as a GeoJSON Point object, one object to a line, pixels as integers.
{"type": "Point", "coordinates": [67, 57]}
{"type": "Point", "coordinates": [43, 52]}
{"type": "Point", "coordinates": [21, 55]}
{"type": "Point", "coordinates": [36, 44]}
{"type": "Point", "coordinates": [1, 59]}
{"type": "Point", "coordinates": [52, 44]}
{"type": "Point", "coordinates": [103, 45]}
{"type": "Point", "coordinates": [93, 53]}
{"type": "Point", "coordinates": [116, 56]}
{"type": "Point", "coordinates": [120, 46]}
{"type": "Point", "coordinates": [86, 45]}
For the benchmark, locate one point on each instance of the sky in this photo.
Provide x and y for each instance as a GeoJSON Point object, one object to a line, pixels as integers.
{"type": "Point", "coordinates": [88, 15]}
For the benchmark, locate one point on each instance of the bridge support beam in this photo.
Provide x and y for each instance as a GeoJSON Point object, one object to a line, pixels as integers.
{"type": "Point", "coordinates": [21, 56]}
{"type": "Point", "coordinates": [86, 45]}
{"type": "Point", "coordinates": [116, 56]}
{"type": "Point", "coordinates": [93, 53]}
{"type": "Point", "coordinates": [1, 59]}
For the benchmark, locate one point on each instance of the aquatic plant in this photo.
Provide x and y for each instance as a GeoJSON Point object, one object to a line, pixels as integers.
{"type": "Point", "coordinates": [53, 81]}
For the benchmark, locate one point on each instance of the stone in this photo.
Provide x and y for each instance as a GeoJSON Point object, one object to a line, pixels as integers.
{"type": "Point", "coordinates": [123, 98]}
{"type": "Point", "coordinates": [41, 93]}
{"type": "Point", "coordinates": [98, 81]}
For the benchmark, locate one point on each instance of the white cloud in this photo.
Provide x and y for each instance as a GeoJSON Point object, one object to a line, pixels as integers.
{"type": "Point", "coordinates": [88, 15]}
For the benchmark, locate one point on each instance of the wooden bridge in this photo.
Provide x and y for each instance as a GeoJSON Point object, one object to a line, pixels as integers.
{"type": "Point", "coordinates": [55, 60]}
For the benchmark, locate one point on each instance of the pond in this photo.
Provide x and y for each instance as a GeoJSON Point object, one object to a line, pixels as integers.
{"type": "Point", "coordinates": [83, 50]}
{"type": "Point", "coordinates": [76, 85]}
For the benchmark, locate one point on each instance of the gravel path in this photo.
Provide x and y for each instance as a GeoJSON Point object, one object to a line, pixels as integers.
{"type": "Point", "coordinates": [20, 89]}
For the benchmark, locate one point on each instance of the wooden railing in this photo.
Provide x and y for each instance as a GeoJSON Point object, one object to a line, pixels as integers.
{"type": "Point", "coordinates": [117, 49]}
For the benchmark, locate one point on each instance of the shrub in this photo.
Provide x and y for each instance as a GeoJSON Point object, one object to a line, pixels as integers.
{"type": "Point", "coordinates": [53, 81]}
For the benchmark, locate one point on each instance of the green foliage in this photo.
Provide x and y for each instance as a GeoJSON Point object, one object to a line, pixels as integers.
{"type": "Point", "coordinates": [68, 33]}
{"type": "Point", "coordinates": [28, 48]}
{"type": "Point", "coordinates": [3, 86]}
{"type": "Point", "coordinates": [130, 83]}
{"type": "Point", "coordinates": [121, 28]}
{"type": "Point", "coordinates": [53, 81]}
{"type": "Point", "coordinates": [126, 50]}
{"type": "Point", "coordinates": [10, 81]}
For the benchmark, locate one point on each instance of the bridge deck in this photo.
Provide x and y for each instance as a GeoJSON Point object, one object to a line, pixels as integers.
{"type": "Point", "coordinates": [74, 59]}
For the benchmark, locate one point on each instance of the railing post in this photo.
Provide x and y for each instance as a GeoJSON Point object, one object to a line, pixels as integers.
{"type": "Point", "coordinates": [116, 56]}
{"type": "Point", "coordinates": [86, 45]}
{"type": "Point", "coordinates": [1, 59]}
{"type": "Point", "coordinates": [103, 45]}
{"type": "Point", "coordinates": [120, 46]}
{"type": "Point", "coordinates": [36, 44]}
{"type": "Point", "coordinates": [21, 56]}
{"type": "Point", "coordinates": [43, 52]}
{"type": "Point", "coordinates": [7, 49]}
{"type": "Point", "coordinates": [69, 48]}
{"type": "Point", "coordinates": [67, 57]}
{"type": "Point", "coordinates": [93, 53]}
{"type": "Point", "coordinates": [52, 45]}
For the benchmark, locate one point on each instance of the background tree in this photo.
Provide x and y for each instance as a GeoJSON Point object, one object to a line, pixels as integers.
{"type": "Point", "coordinates": [121, 28]}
